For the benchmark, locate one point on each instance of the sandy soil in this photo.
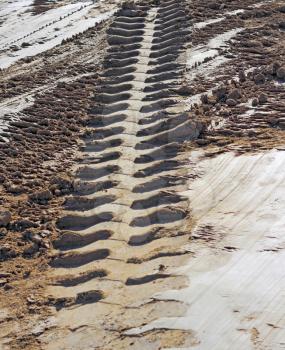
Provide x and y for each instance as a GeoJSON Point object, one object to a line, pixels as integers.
{"type": "Point", "coordinates": [236, 279]}
{"type": "Point", "coordinates": [141, 183]}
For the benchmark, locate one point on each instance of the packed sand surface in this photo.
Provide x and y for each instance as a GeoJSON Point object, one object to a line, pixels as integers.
{"type": "Point", "coordinates": [142, 158]}
{"type": "Point", "coordinates": [236, 280]}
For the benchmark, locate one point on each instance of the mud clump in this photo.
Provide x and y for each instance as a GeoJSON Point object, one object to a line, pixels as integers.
{"type": "Point", "coordinates": [220, 93]}
{"type": "Point", "coordinates": [5, 218]}
{"type": "Point", "coordinates": [281, 72]}
{"type": "Point", "coordinates": [7, 252]}
{"type": "Point", "coordinates": [263, 98]}
{"type": "Point", "coordinates": [255, 102]}
{"type": "Point", "coordinates": [235, 94]}
{"type": "Point", "coordinates": [259, 78]}
{"type": "Point", "coordinates": [41, 197]}
{"type": "Point", "coordinates": [231, 102]}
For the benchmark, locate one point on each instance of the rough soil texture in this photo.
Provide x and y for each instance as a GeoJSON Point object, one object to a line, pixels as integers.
{"type": "Point", "coordinates": [99, 139]}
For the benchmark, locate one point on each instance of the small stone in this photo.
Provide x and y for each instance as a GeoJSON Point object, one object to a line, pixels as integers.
{"type": "Point", "coordinates": [259, 78]}
{"type": "Point", "coordinates": [262, 98]}
{"type": "Point", "coordinates": [5, 218]}
{"type": "Point", "coordinates": [282, 25]}
{"type": "Point", "coordinates": [231, 102]}
{"type": "Point", "coordinates": [281, 73]}
{"type": "Point", "coordinates": [254, 102]}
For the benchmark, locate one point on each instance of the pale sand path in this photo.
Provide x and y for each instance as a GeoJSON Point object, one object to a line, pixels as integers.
{"type": "Point", "coordinates": [237, 278]}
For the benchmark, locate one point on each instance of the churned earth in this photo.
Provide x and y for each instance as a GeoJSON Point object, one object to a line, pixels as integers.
{"type": "Point", "coordinates": [141, 174]}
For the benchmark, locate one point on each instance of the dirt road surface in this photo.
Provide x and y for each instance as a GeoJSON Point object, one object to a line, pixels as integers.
{"type": "Point", "coordinates": [142, 175]}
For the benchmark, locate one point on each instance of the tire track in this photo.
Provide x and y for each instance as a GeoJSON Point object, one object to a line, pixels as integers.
{"type": "Point", "coordinates": [126, 215]}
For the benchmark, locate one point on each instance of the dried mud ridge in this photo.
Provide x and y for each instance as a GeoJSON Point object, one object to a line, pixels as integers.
{"type": "Point", "coordinates": [127, 183]}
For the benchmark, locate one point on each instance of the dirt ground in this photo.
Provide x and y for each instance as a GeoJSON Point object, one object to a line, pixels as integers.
{"type": "Point", "coordinates": [98, 142]}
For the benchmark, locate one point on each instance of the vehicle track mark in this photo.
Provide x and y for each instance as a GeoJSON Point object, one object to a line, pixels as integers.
{"type": "Point", "coordinates": [126, 188]}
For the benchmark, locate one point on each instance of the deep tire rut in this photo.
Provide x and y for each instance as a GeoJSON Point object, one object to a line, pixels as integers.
{"type": "Point", "coordinates": [126, 211]}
